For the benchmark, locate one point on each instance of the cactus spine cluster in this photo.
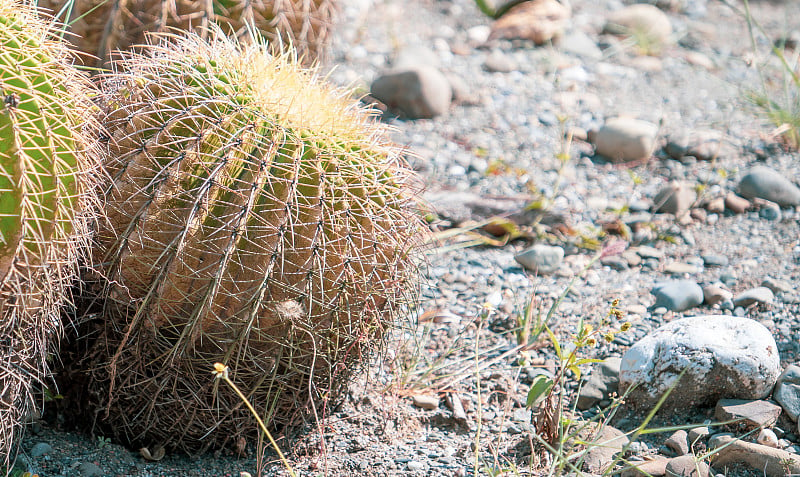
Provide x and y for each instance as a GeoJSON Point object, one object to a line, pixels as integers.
{"type": "Point", "coordinates": [256, 217]}
{"type": "Point", "coordinates": [99, 27]}
{"type": "Point", "coordinates": [46, 165]}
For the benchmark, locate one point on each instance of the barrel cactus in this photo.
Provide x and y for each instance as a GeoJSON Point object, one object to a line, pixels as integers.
{"type": "Point", "coordinates": [256, 217]}
{"type": "Point", "coordinates": [99, 27]}
{"type": "Point", "coordinates": [46, 168]}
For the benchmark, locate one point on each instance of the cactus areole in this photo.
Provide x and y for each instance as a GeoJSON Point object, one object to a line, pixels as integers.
{"type": "Point", "coordinates": [45, 188]}
{"type": "Point", "coordinates": [257, 218]}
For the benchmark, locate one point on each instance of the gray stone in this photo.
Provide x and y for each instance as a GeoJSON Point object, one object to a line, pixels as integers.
{"type": "Point", "coordinates": [714, 260]}
{"type": "Point", "coordinates": [754, 295]}
{"type": "Point", "coordinates": [640, 19]}
{"type": "Point", "coordinates": [420, 92]}
{"type": "Point", "coordinates": [677, 295]}
{"type": "Point", "coordinates": [541, 259]}
{"type": "Point", "coordinates": [705, 145]}
{"type": "Point", "coordinates": [787, 391]}
{"type": "Point", "coordinates": [645, 251]}
{"type": "Point", "coordinates": [686, 466]}
{"type": "Point", "coordinates": [41, 448]}
{"type": "Point", "coordinates": [678, 442]}
{"type": "Point", "coordinates": [603, 381]}
{"type": "Point", "coordinates": [625, 139]}
{"type": "Point", "coordinates": [771, 212]}
{"type": "Point", "coordinates": [751, 414]}
{"type": "Point", "coordinates": [675, 198]}
{"type": "Point", "coordinates": [723, 356]}
{"type": "Point", "coordinates": [90, 469]}
{"type": "Point", "coordinates": [765, 183]}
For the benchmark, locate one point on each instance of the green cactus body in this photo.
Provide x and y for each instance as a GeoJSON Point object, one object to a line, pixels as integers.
{"type": "Point", "coordinates": [45, 188]}
{"type": "Point", "coordinates": [256, 218]}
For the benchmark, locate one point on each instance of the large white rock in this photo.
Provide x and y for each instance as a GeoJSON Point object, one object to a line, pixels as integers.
{"type": "Point", "coordinates": [724, 357]}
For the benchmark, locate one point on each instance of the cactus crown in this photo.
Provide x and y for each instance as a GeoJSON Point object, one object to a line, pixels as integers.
{"type": "Point", "coordinates": [255, 218]}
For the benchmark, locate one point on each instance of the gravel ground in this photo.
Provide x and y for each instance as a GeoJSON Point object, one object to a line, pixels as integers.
{"type": "Point", "coordinates": [501, 140]}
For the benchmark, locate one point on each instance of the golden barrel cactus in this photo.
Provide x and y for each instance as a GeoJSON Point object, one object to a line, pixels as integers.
{"type": "Point", "coordinates": [256, 217]}
{"type": "Point", "coordinates": [99, 27]}
{"type": "Point", "coordinates": [47, 163]}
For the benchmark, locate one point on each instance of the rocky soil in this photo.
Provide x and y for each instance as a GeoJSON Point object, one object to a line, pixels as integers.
{"type": "Point", "coordinates": [700, 192]}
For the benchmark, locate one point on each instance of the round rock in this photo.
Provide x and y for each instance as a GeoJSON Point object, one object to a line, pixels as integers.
{"type": "Point", "coordinates": [677, 295]}
{"type": "Point", "coordinates": [625, 139]}
{"type": "Point", "coordinates": [724, 356]}
{"type": "Point", "coordinates": [419, 92]}
{"type": "Point", "coordinates": [686, 466]}
{"type": "Point", "coordinates": [765, 183]}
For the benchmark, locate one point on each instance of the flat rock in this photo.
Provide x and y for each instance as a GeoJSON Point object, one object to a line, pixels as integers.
{"type": "Point", "coordinates": [787, 391]}
{"type": "Point", "coordinates": [675, 198]}
{"type": "Point", "coordinates": [772, 462]}
{"type": "Point", "coordinates": [686, 466]}
{"type": "Point", "coordinates": [640, 19]}
{"type": "Point", "coordinates": [650, 468]}
{"type": "Point", "coordinates": [680, 268]}
{"type": "Point", "coordinates": [425, 401]}
{"type": "Point", "coordinates": [677, 295]}
{"type": "Point", "coordinates": [603, 381]}
{"type": "Point", "coordinates": [752, 413]}
{"type": "Point", "coordinates": [541, 259]}
{"type": "Point", "coordinates": [418, 92]}
{"type": "Point", "coordinates": [698, 434]}
{"type": "Point", "coordinates": [724, 356]}
{"type": "Point", "coordinates": [765, 183]}
{"type": "Point", "coordinates": [624, 139]}
{"type": "Point", "coordinates": [540, 21]}
{"type": "Point", "coordinates": [607, 443]}
{"type": "Point", "coordinates": [754, 295]}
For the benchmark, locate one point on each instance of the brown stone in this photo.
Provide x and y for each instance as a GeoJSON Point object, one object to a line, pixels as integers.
{"type": "Point", "coordinates": [540, 21]}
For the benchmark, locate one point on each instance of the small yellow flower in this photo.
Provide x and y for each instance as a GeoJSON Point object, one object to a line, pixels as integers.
{"type": "Point", "coordinates": [615, 303]}
{"type": "Point", "coordinates": [625, 326]}
{"type": "Point", "coordinates": [609, 337]}
{"type": "Point", "coordinates": [220, 371]}
{"type": "Point", "coordinates": [591, 342]}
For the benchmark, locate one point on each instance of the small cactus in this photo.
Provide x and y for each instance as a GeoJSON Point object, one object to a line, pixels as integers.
{"type": "Point", "coordinates": [46, 166]}
{"type": "Point", "coordinates": [100, 27]}
{"type": "Point", "coordinates": [257, 218]}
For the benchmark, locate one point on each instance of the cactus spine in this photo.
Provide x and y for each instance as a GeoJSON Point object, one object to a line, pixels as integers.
{"type": "Point", "coordinates": [257, 218]}
{"type": "Point", "coordinates": [46, 165]}
{"type": "Point", "coordinates": [102, 26]}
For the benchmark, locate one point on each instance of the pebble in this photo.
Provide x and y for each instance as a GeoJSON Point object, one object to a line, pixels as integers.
{"type": "Point", "coordinates": [736, 204]}
{"type": "Point", "coordinates": [754, 295]}
{"type": "Point", "coordinates": [716, 205]}
{"type": "Point", "coordinates": [686, 466]}
{"type": "Point", "coordinates": [714, 260]}
{"type": "Point", "coordinates": [415, 465]}
{"type": "Point", "coordinates": [540, 21]}
{"type": "Point", "coordinates": [771, 212]}
{"type": "Point", "coordinates": [752, 414]}
{"type": "Point", "coordinates": [541, 259]}
{"type": "Point", "coordinates": [609, 442]}
{"type": "Point", "coordinates": [624, 139]}
{"type": "Point", "coordinates": [713, 294]}
{"type": "Point", "coordinates": [645, 251]}
{"type": "Point", "coordinates": [642, 19]}
{"type": "Point", "coordinates": [420, 92]}
{"type": "Point", "coordinates": [777, 286]}
{"type": "Point", "coordinates": [787, 391]}
{"type": "Point", "coordinates": [767, 437]}
{"type": "Point", "coordinates": [650, 468]}
{"type": "Point", "coordinates": [675, 198]}
{"type": "Point", "coordinates": [698, 434]}
{"type": "Point", "coordinates": [41, 448]}
{"type": "Point", "coordinates": [677, 295]}
{"type": "Point", "coordinates": [499, 62]}
{"type": "Point", "coordinates": [704, 145]}
{"type": "Point", "coordinates": [425, 401]}
{"type": "Point", "coordinates": [678, 442]}
{"type": "Point", "coordinates": [739, 353]}
{"type": "Point", "coordinates": [678, 268]}
{"type": "Point", "coordinates": [765, 183]}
